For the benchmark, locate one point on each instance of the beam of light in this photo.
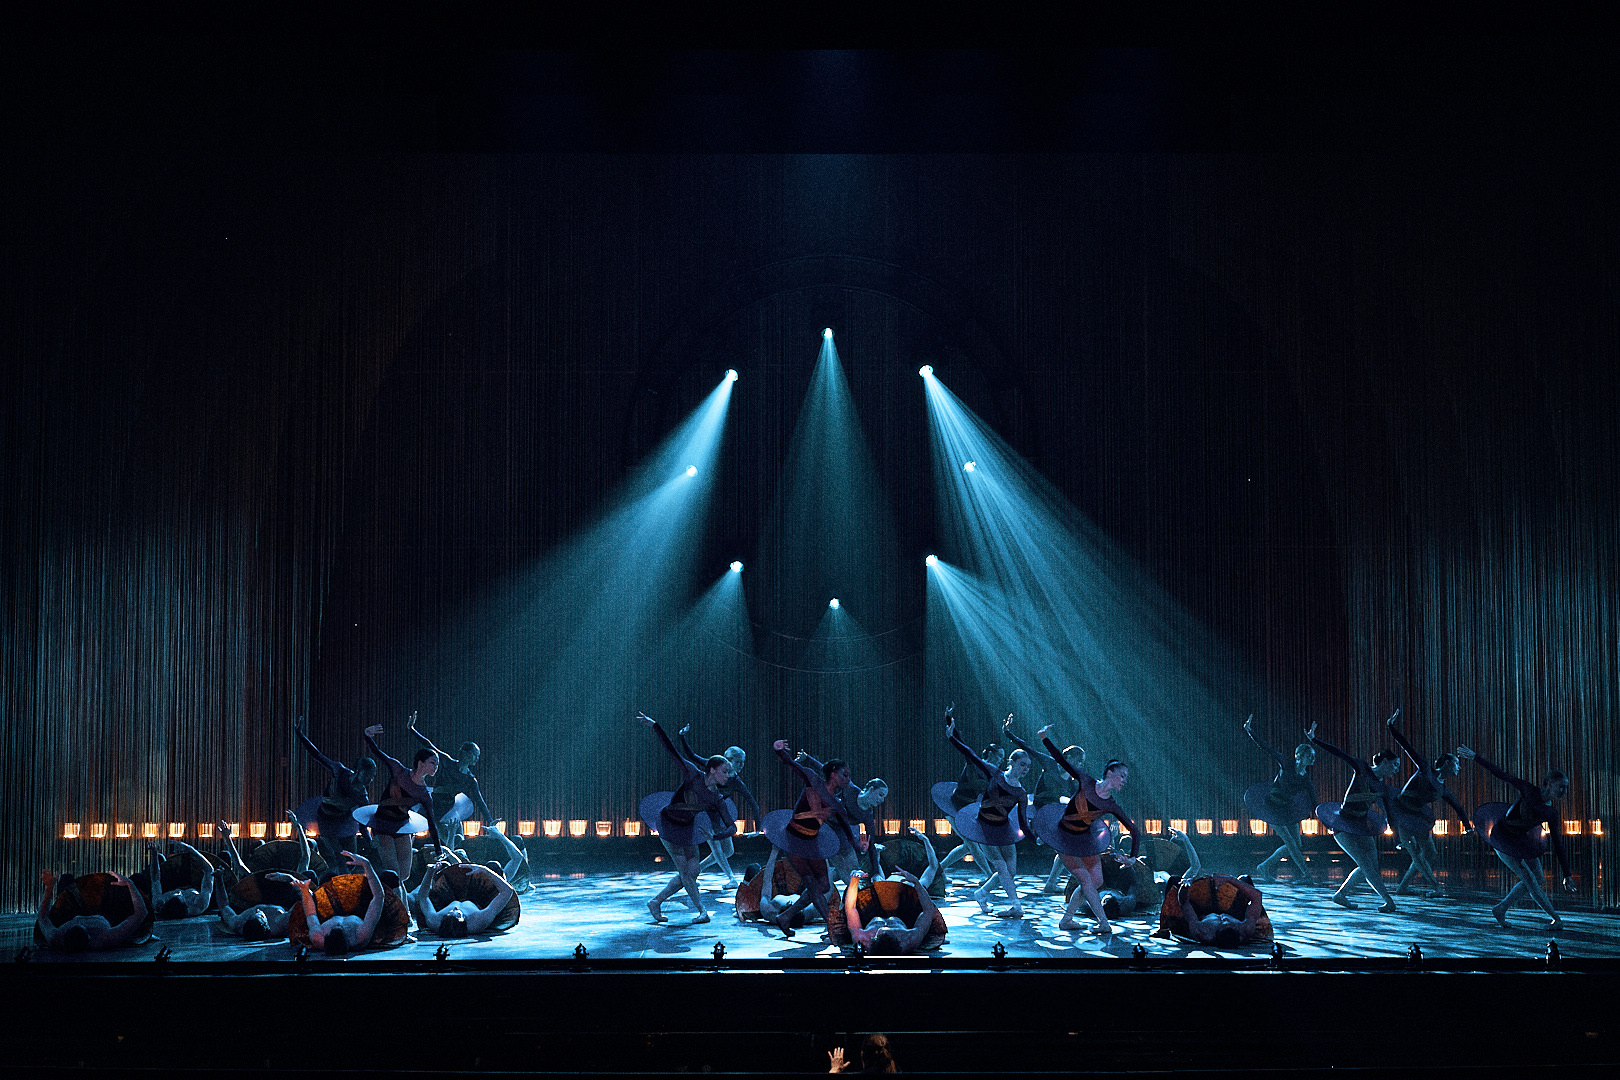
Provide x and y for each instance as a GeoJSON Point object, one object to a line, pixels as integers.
{"type": "Point", "coordinates": [559, 645]}
{"type": "Point", "coordinates": [1054, 623]}
{"type": "Point", "coordinates": [704, 666]}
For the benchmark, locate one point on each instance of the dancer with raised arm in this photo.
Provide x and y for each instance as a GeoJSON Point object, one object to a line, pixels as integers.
{"type": "Point", "coordinates": [859, 811]}
{"type": "Point", "coordinates": [405, 809]}
{"type": "Point", "coordinates": [1358, 819]}
{"type": "Point", "coordinates": [456, 794]}
{"type": "Point", "coordinates": [1079, 834]}
{"type": "Point", "coordinates": [183, 883]}
{"type": "Point", "coordinates": [951, 797]}
{"type": "Point", "coordinates": [332, 814]}
{"type": "Point", "coordinates": [721, 847]}
{"type": "Point", "coordinates": [1413, 808]}
{"type": "Point", "coordinates": [1514, 833]}
{"type": "Point", "coordinates": [92, 911]}
{"type": "Point", "coordinates": [684, 818]}
{"type": "Point", "coordinates": [464, 916]}
{"type": "Point", "coordinates": [1048, 792]}
{"type": "Point", "coordinates": [1289, 799]}
{"type": "Point", "coordinates": [341, 932]}
{"type": "Point", "coordinates": [989, 820]}
{"type": "Point", "coordinates": [802, 832]}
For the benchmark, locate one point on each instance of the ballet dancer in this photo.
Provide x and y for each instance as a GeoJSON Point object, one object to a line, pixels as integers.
{"type": "Point", "coordinates": [989, 820]}
{"type": "Point", "coordinates": [683, 819]}
{"type": "Point", "coordinates": [1514, 833]}
{"type": "Point", "coordinates": [1289, 799]}
{"type": "Point", "coordinates": [1358, 819]}
{"type": "Point", "coordinates": [1413, 809]}
{"type": "Point", "coordinates": [1079, 834]}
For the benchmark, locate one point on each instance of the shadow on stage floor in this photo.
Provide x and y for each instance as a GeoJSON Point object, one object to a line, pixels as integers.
{"type": "Point", "coordinates": [1344, 992]}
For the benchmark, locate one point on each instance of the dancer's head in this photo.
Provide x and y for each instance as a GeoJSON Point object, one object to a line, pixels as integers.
{"type": "Point", "coordinates": [1554, 786]}
{"type": "Point", "coordinates": [1114, 776]}
{"type": "Point", "coordinates": [993, 754]}
{"type": "Point", "coordinates": [257, 926]}
{"type": "Point", "coordinates": [426, 762]}
{"type": "Point", "coordinates": [1304, 757]}
{"type": "Point", "coordinates": [718, 768]}
{"type": "Point", "coordinates": [875, 791]}
{"type": "Point", "coordinates": [1447, 765]}
{"type": "Point", "coordinates": [453, 923]}
{"type": "Point", "coordinates": [337, 943]}
{"type": "Point", "coordinates": [365, 771]}
{"type": "Point", "coordinates": [1385, 764]}
{"type": "Point", "coordinates": [469, 754]}
{"type": "Point", "coordinates": [1017, 764]}
{"type": "Point", "coordinates": [738, 758]}
{"type": "Point", "coordinates": [836, 773]}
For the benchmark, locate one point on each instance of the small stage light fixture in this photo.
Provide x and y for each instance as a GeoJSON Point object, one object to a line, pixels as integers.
{"type": "Point", "coordinates": [731, 374]}
{"type": "Point", "coordinates": [691, 470]}
{"type": "Point", "coordinates": [827, 333]}
{"type": "Point", "coordinates": [926, 370]}
{"type": "Point", "coordinates": [833, 603]}
{"type": "Point", "coordinates": [969, 466]}
{"type": "Point", "coordinates": [736, 568]}
{"type": "Point", "coordinates": [932, 560]}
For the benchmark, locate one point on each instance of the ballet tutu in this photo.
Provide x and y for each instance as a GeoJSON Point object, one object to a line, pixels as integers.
{"type": "Point", "coordinates": [1417, 822]}
{"type": "Point", "coordinates": [695, 832]}
{"type": "Point", "coordinates": [367, 815]}
{"type": "Point", "coordinates": [1094, 841]}
{"type": "Point", "coordinates": [1300, 806]}
{"type": "Point", "coordinates": [1490, 820]}
{"type": "Point", "coordinates": [460, 810]}
{"type": "Point", "coordinates": [1371, 825]}
{"type": "Point", "coordinates": [941, 794]}
{"type": "Point", "coordinates": [969, 827]}
{"type": "Point", "coordinates": [308, 812]}
{"type": "Point", "coordinates": [823, 845]}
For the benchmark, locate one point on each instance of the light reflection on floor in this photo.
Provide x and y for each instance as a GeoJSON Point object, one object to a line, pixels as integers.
{"type": "Point", "coordinates": [607, 913]}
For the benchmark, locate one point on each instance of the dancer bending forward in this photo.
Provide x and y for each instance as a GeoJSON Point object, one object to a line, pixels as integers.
{"type": "Point", "coordinates": [989, 820]}
{"type": "Point", "coordinates": [684, 819]}
{"type": "Point", "coordinates": [1514, 833]}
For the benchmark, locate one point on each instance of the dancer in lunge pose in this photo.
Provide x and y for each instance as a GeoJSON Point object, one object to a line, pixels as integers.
{"type": "Point", "coordinates": [989, 821]}
{"type": "Point", "coordinates": [859, 810]}
{"type": "Point", "coordinates": [1358, 819]}
{"type": "Point", "coordinates": [456, 794]}
{"type": "Point", "coordinates": [1514, 833]}
{"type": "Point", "coordinates": [951, 797]}
{"type": "Point", "coordinates": [1049, 792]}
{"type": "Point", "coordinates": [1079, 833]}
{"type": "Point", "coordinates": [684, 819]}
{"type": "Point", "coordinates": [1413, 808]}
{"type": "Point", "coordinates": [332, 814]}
{"type": "Point", "coordinates": [1289, 799]}
{"type": "Point", "coordinates": [804, 835]}
{"type": "Point", "coordinates": [721, 846]}
{"type": "Point", "coordinates": [395, 819]}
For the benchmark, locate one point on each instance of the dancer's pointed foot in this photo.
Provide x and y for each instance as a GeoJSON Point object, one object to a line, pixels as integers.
{"type": "Point", "coordinates": [1104, 928]}
{"type": "Point", "coordinates": [655, 909]}
{"type": "Point", "coordinates": [1070, 925]}
{"type": "Point", "coordinates": [1555, 924]}
{"type": "Point", "coordinates": [1348, 905]}
{"type": "Point", "coordinates": [1500, 911]}
{"type": "Point", "coordinates": [1387, 907]}
{"type": "Point", "coordinates": [1014, 912]}
{"type": "Point", "coordinates": [702, 917]}
{"type": "Point", "coordinates": [781, 921]}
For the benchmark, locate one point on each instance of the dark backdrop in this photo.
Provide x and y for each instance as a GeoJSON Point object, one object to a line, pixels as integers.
{"type": "Point", "coordinates": [295, 412]}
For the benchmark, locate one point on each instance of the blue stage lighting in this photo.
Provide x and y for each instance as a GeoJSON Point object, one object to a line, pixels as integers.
{"type": "Point", "coordinates": [736, 568]}
{"type": "Point", "coordinates": [926, 370]}
{"type": "Point", "coordinates": [969, 467]}
{"type": "Point", "coordinates": [827, 333]}
{"type": "Point", "coordinates": [833, 603]}
{"type": "Point", "coordinates": [932, 560]}
{"type": "Point", "coordinates": [731, 374]}
{"type": "Point", "coordinates": [691, 470]}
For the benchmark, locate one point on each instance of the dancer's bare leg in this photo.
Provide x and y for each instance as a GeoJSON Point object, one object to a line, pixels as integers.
{"type": "Point", "coordinates": [1087, 870]}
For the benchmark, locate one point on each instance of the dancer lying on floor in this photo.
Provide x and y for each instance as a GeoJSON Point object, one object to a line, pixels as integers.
{"type": "Point", "coordinates": [684, 819]}
{"type": "Point", "coordinates": [464, 915]}
{"type": "Point", "coordinates": [1514, 833]}
{"type": "Point", "coordinates": [1413, 809]}
{"type": "Point", "coordinates": [721, 847]}
{"type": "Point", "coordinates": [341, 931]}
{"type": "Point", "coordinates": [891, 916]}
{"type": "Point", "coordinates": [91, 911]}
{"type": "Point", "coordinates": [1358, 820]}
{"type": "Point", "coordinates": [1289, 799]}
{"type": "Point", "coordinates": [989, 820]}
{"type": "Point", "coordinates": [183, 883]}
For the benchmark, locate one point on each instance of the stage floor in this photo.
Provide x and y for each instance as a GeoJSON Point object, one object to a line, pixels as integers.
{"type": "Point", "coordinates": [606, 912]}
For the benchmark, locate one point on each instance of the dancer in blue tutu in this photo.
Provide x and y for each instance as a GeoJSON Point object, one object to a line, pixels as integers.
{"type": "Point", "coordinates": [1514, 833]}
{"type": "Point", "coordinates": [1413, 808]}
{"type": "Point", "coordinates": [684, 820]}
{"type": "Point", "coordinates": [1358, 819]}
{"type": "Point", "coordinates": [804, 832]}
{"type": "Point", "coordinates": [1286, 801]}
{"type": "Point", "coordinates": [989, 820]}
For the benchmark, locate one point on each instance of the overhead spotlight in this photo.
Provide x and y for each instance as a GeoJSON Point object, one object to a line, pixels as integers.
{"type": "Point", "coordinates": [926, 370]}
{"type": "Point", "coordinates": [932, 560]}
{"type": "Point", "coordinates": [833, 603]}
{"type": "Point", "coordinates": [691, 470]}
{"type": "Point", "coordinates": [731, 374]}
{"type": "Point", "coordinates": [970, 467]}
{"type": "Point", "coordinates": [827, 333]}
{"type": "Point", "coordinates": [736, 568]}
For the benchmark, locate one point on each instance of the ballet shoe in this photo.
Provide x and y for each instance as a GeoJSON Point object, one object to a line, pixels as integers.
{"type": "Point", "coordinates": [655, 909]}
{"type": "Point", "coordinates": [702, 917]}
{"type": "Point", "coordinates": [1500, 911]}
{"type": "Point", "coordinates": [1348, 905]}
{"type": "Point", "coordinates": [1014, 912]}
{"type": "Point", "coordinates": [1070, 925]}
{"type": "Point", "coordinates": [1555, 924]}
{"type": "Point", "coordinates": [1388, 907]}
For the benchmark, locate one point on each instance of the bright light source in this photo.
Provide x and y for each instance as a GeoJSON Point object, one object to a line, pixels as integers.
{"type": "Point", "coordinates": [932, 560]}
{"type": "Point", "coordinates": [926, 370]}
{"type": "Point", "coordinates": [736, 568]}
{"type": "Point", "coordinates": [827, 333]}
{"type": "Point", "coordinates": [969, 467]}
{"type": "Point", "coordinates": [731, 374]}
{"type": "Point", "coordinates": [833, 603]}
{"type": "Point", "coordinates": [691, 470]}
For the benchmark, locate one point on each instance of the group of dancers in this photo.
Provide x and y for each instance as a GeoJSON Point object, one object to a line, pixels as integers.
{"type": "Point", "coordinates": [1520, 833]}
{"type": "Point", "coordinates": [365, 882]}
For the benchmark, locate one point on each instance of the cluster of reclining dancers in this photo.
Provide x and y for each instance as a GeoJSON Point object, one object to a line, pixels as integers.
{"type": "Point", "coordinates": [273, 890]}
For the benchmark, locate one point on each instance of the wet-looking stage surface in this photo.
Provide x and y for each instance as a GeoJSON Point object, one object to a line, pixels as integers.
{"type": "Point", "coordinates": [1438, 988]}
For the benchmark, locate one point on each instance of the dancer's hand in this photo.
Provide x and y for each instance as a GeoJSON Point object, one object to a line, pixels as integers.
{"type": "Point", "coordinates": [1464, 752]}
{"type": "Point", "coordinates": [685, 728]}
{"type": "Point", "coordinates": [801, 758]}
{"type": "Point", "coordinates": [950, 726]}
{"type": "Point", "coordinates": [1568, 886]}
{"type": "Point", "coordinates": [779, 744]}
{"type": "Point", "coordinates": [1006, 725]}
{"type": "Point", "coordinates": [1248, 725]}
{"type": "Point", "coordinates": [1041, 734]}
{"type": "Point", "coordinates": [1310, 732]}
{"type": "Point", "coordinates": [280, 876]}
{"type": "Point", "coordinates": [950, 709]}
{"type": "Point", "coordinates": [645, 719]}
{"type": "Point", "coordinates": [1391, 721]}
{"type": "Point", "coordinates": [224, 828]}
{"type": "Point", "coordinates": [374, 730]}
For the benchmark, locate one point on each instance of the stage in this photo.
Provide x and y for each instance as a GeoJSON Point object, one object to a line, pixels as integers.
{"type": "Point", "coordinates": [646, 997]}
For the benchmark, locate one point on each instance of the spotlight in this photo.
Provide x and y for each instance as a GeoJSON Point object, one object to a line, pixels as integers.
{"type": "Point", "coordinates": [968, 467]}
{"type": "Point", "coordinates": [731, 374]}
{"type": "Point", "coordinates": [833, 603]}
{"type": "Point", "coordinates": [827, 333]}
{"type": "Point", "coordinates": [932, 560]}
{"type": "Point", "coordinates": [691, 470]}
{"type": "Point", "coordinates": [926, 370]}
{"type": "Point", "coordinates": [736, 568]}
